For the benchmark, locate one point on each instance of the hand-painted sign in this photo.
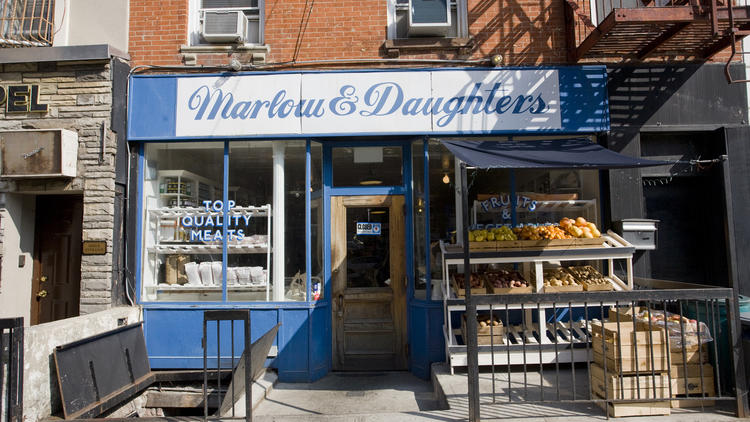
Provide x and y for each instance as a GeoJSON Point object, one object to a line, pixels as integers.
{"type": "Point", "coordinates": [372, 229]}
{"type": "Point", "coordinates": [370, 102]}
{"type": "Point", "coordinates": [339, 103]}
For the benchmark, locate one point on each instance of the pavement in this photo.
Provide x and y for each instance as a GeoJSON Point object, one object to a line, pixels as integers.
{"type": "Point", "coordinates": [400, 396]}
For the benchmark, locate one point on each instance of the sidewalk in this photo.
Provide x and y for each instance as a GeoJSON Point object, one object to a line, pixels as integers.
{"type": "Point", "coordinates": [399, 396]}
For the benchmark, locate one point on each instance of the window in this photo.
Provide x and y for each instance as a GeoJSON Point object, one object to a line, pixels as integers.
{"type": "Point", "coordinates": [188, 226]}
{"type": "Point", "coordinates": [424, 12]}
{"type": "Point", "coordinates": [26, 23]}
{"type": "Point", "coordinates": [226, 22]}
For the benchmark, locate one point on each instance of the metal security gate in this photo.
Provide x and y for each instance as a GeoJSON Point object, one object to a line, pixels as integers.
{"type": "Point", "coordinates": [11, 370]}
{"type": "Point", "coordinates": [658, 348]}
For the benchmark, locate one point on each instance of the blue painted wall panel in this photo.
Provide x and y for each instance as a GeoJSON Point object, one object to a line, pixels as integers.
{"type": "Point", "coordinates": [320, 342]}
{"type": "Point", "coordinates": [151, 107]}
{"type": "Point", "coordinates": [173, 336]}
{"type": "Point", "coordinates": [293, 349]}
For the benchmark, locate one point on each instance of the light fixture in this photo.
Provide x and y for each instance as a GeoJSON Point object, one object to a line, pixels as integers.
{"type": "Point", "coordinates": [496, 60]}
{"type": "Point", "coordinates": [235, 64]}
{"type": "Point", "coordinates": [377, 212]}
{"type": "Point", "coordinates": [446, 179]}
{"type": "Point", "coordinates": [370, 182]}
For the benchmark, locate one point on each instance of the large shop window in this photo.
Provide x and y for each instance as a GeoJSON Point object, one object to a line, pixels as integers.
{"type": "Point", "coordinates": [188, 226]}
{"type": "Point", "coordinates": [541, 197]}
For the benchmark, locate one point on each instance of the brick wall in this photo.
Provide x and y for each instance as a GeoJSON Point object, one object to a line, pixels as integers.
{"type": "Point", "coordinates": [80, 99]}
{"type": "Point", "coordinates": [524, 32]}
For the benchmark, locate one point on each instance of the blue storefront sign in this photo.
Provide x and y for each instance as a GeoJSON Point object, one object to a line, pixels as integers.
{"type": "Point", "coordinates": [424, 102]}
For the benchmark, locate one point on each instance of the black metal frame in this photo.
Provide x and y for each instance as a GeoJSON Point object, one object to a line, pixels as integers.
{"type": "Point", "coordinates": [708, 300]}
{"type": "Point", "coordinates": [14, 393]}
{"type": "Point", "coordinates": [231, 316]}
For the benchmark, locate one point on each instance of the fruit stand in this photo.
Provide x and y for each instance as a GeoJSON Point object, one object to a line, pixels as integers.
{"type": "Point", "coordinates": [531, 256]}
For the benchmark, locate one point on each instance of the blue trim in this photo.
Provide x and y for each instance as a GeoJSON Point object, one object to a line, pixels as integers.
{"type": "Point", "coordinates": [426, 193]}
{"type": "Point", "coordinates": [308, 222]}
{"type": "Point", "coordinates": [409, 226]}
{"type": "Point", "coordinates": [327, 179]}
{"type": "Point", "coordinates": [139, 228]}
{"type": "Point", "coordinates": [225, 224]}
{"type": "Point", "coordinates": [296, 136]}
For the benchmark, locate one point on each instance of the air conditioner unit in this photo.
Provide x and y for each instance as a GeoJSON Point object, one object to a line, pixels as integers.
{"type": "Point", "coordinates": [429, 17]}
{"type": "Point", "coordinates": [224, 26]}
{"type": "Point", "coordinates": [38, 153]}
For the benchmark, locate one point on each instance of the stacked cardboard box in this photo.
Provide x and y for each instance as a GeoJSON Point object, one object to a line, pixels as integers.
{"type": "Point", "coordinates": [630, 364]}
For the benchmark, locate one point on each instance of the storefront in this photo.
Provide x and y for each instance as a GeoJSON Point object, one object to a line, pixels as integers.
{"type": "Point", "coordinates": [317, 200]}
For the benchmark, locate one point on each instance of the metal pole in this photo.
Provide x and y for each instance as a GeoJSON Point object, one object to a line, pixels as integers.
{"type": "Point", "coordinates": [248, 371]}
{"type": "Point", "coordinates": [471, 308]}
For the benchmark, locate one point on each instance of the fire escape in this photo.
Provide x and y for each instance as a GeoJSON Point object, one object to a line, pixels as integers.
{"type": "Point", "coordinates": [643, 30]}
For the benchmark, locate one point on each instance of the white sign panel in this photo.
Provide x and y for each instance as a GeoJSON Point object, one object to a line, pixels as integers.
{"type": "Point", "coordinates": [239, 105]}
{"type": "Point", "coordinates": [482, 101]}
{"type": "Point", "coordinates": [368, 102]}
{"type": "Point", "coordinates": [372, 229]}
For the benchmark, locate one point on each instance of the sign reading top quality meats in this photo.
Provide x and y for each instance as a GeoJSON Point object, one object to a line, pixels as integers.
{"type": "Point", "coordinates": [369, 102]}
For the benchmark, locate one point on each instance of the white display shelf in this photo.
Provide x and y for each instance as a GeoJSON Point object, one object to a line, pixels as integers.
{"type": "Point", "coordinates": [165, 244]}
{"type": "Point", "coordinates": [190, 248]}
{"type": "Point", "coordinates": [611, 248]}
{"type": "Point", "coordinates": [192, 288]}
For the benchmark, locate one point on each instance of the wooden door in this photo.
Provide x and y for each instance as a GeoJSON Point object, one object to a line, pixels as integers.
{"type": "Point", "coordinates": [56, 285]}
{"type": "Point", "coordinates": [369, 284]}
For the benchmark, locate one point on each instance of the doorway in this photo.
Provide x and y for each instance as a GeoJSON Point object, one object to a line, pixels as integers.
{"type": "Point", "coordinates": [56, 282]}
{"type": "Point", "coordinates": [368, 276]}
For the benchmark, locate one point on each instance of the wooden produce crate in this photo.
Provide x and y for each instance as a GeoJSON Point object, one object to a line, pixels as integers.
{"type": "Point", "coordinates": [461, 292]}
{"type": "Point", "coordinates": [630, 352]}
{"type": "Point", "coordinates": [486, 335]}
{"type": "Point", "coordinates": [559, 273]}
{"type": "Point", "coordinates": [691, 386]}
{"type": "Point", "coordinates": [497, 245]}
{"type": "Point", "coordinates": [628, 387]}
{"type": "Point", "coordinates": [590, 278]}
{"type": "Point", "coordinates": [618, 410]}
{"type": "Point", "coordinates": [491, 276]}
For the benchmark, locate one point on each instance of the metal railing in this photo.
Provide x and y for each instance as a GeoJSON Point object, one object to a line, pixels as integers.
{"type": "Point", "coordinates": [26, 23]}
{"type": "Point", "coordinates": [11, 370]}
{"type": "Point", "coordinates": [245, 366]}
{"type": "Point", "coordinates": [670, 347]}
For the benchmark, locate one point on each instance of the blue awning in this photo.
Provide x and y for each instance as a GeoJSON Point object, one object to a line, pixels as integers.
{"type": "Point", "coordinates": [551, 154]}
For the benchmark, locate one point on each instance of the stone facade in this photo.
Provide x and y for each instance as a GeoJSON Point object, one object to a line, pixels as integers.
{"type": "Point", "coordinates": [79, 97]}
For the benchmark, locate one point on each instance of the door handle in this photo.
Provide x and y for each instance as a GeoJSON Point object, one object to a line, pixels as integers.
{"type": "Point", "coordinates": [41, 294]}
{"type": "Point", "coordinates": [43, 278]}
{"type": "Point", "coordinates": [340, 312]}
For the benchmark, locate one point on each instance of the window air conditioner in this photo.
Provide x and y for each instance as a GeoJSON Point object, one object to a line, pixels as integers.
{"type": "Point", "coordinates": [224, 26]}
{"type": "Point", "coordinates": [429, 17]}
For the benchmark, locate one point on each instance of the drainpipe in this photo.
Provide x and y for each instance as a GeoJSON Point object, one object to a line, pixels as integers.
{"type": "Point", "coordinates": [278, 222]}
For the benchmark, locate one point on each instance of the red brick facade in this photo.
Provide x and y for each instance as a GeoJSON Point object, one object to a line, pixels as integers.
{"type": "Point", "coordinates": [523, 32]}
